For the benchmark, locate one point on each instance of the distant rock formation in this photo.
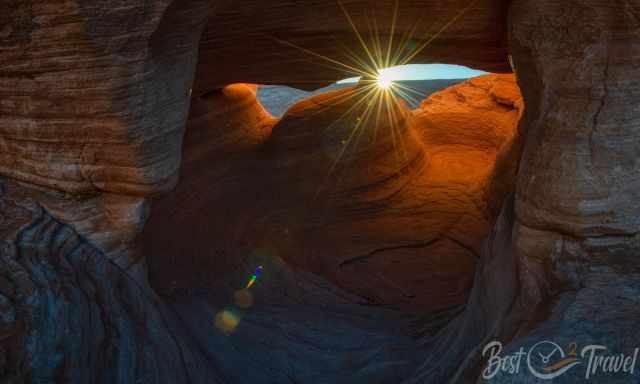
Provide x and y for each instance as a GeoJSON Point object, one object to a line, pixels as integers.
{"type": "Point", "coordinates": [277, 99]}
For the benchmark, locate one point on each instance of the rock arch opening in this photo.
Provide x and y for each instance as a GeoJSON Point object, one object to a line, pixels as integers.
{"type": "Point", "coordinates": [391, 204]}
{"type": "Point", "coordinates": [382, 235]}
{"type": "Point", "coordinates": [413, 84]}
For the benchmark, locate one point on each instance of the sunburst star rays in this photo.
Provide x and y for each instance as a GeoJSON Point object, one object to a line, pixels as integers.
{"type": "Point", "coordinates": [377, 90]}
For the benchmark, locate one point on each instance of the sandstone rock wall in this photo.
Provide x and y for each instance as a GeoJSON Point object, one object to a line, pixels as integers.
{"type": "Point", "coordinates": [310, 45]}
{"type": "Point", "coordinates": [566, 249]}
{"type": "Point", "coordinates": [94, 95]}
{"type": "Point", "coordinates": [580, 168]}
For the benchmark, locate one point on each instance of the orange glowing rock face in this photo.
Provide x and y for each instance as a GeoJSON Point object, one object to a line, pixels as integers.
{"type": "Point", "coordinates": [407, 198]}
{"type": "Point", "coordinates": [385, 202]}
{"type": "Point", "coordinates": [482, 112]}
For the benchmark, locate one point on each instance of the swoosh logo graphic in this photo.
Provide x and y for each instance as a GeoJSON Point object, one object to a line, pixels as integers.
{"type": "Point", "coordinates": [560, 364]}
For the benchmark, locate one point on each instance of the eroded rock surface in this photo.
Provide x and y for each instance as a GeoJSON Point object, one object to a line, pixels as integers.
{"type": "Point", "coordinates": [70, 314]}
{"type": "Point", "coordinates": [95, 96]}
{"type": "Point", "coordinates": [389, 208]}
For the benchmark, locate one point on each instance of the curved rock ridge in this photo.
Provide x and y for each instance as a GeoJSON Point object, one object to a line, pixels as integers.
{"type": "Point", "coordinates": [480, 114]}
{"type": "Point", "coordinates": [358, 140]}
{"type": "Point", "coordinates": [225, 132]}
{"type": "Point", "coordinates": [318, 40]}
{"type": "Point", "coordinates": [495, 103]}
{"type": "Point", "coordinates": [348, 184]}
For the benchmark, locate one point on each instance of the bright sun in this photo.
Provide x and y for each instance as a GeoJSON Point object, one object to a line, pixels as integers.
{"type": "Point", "coordinates": [384, 80]}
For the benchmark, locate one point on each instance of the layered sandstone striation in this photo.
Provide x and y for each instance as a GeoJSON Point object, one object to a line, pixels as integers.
{"type": "Point", "coordinates": [95, 97]}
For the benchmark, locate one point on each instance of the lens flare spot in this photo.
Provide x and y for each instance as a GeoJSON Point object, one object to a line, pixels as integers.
{"type": "Point", "coordinates": [254, 277]}
{"type": "Point", "coordinates": [227, 321]}
{"type": "Point", "coordinates": [243, 298]}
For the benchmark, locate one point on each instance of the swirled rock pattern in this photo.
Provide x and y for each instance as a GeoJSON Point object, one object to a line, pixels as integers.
{"type": "Point", "coordinates": [69, 313]}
